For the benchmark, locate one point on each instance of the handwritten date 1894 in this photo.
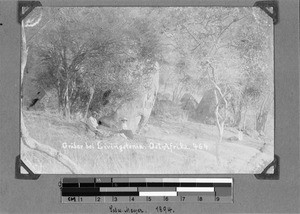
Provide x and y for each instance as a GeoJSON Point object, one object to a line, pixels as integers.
{"type": "Point", "coordinates": [164, 209]}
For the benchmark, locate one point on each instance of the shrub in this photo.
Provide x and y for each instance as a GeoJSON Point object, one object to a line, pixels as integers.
{"type": "Point", "coordinates": [167, 109]}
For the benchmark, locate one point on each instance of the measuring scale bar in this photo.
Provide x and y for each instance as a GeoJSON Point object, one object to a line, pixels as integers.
{"type": "Point", "coordinates": [158, 193]}
{"type": "Point", "coordinates": [109, 190]}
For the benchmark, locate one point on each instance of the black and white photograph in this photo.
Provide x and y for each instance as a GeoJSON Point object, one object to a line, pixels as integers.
{"type": "Point", "coordinates": [147, 90]}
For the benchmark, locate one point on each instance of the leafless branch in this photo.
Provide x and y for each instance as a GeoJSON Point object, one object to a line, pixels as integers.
{"type": "Point", "coordinates": [191, 34]}
{"type": "Point", "coordinates": [33, 22]}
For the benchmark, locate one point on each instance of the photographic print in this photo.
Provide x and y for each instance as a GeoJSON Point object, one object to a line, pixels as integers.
{"type": "Point", "coordinates": [147, 90]}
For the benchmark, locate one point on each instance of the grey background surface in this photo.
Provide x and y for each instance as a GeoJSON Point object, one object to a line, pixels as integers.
{"type": "Point", "coordinates": [251, 195]}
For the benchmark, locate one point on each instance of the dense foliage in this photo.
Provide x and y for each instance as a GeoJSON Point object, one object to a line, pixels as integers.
{"type": "Point", "coordinates": [98, 58]}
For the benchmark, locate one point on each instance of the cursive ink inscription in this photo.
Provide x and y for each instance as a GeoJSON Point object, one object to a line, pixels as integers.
{"type": "Point", "coordinates": [158, 209]}
{"type": "Point", "coordinates": [114, 209]}
{"type": "Point", "coordinates": [164, 209]}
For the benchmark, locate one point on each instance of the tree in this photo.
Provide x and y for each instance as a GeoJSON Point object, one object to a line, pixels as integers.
{"type": "Point", "coordinates": [87, 54]}
{"type": "Point", "coordinates": [64, 54]}
{"type": "Point", "coordinates": [26, 139]}
{"type": "Point", "coordinates": [215, 44]}
{"type": "Point", "coordinates": [226, 63]}
{"type": "Point", "coordinates": [254, 43]}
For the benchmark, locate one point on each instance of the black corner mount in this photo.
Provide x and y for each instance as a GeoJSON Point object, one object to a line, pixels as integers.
{"type": "Point", "coordinates": [265, 5]}
{"type": "Point", "coordinates": [30, 5]}
{"type": "Point", "coordinates": [19, 175]}
{"type": "Point", "coordinates": [266, 176]}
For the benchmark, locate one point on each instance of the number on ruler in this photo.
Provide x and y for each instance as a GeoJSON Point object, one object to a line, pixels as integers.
{"type": "Point", "coordinates": [131, 198]}
{"type": "Point", "coordinates": [98, 199]}
{"type": "Point", "coordinates": [114, 198]}
{"type": "Point", "coordinates": [166, 198]}
{"type": "Point", "coordinates": [200, 198]}
{"type": "Point", "coordinates": [148, 198]}
{"type": "Point", "coordinates": [182, 198]}
{"type": "Point", "coordinates": [72, 199]}
{"type": "Point", "coordinates": [80, 199]}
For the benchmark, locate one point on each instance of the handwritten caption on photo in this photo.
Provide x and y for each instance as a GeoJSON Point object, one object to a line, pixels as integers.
{"type": "Point", "coordinates": [129, 146]}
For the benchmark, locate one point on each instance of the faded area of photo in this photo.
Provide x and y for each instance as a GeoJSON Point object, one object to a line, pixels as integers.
{"type": "Point", "coordinates": [147, 90]}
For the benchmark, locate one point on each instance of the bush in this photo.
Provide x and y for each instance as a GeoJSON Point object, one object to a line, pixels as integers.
{"type": "Point", "coordinates": [167, 109]}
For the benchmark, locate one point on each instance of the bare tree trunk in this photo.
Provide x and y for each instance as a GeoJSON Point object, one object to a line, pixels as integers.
{"type": "Point", "coordinates": [66, 104]}
{"type": "Point", "coordinates": [219, 124]}
{"type": "Point", "coordinates": [92, 91]}
{"type": "Point", "coordinates": [174, 94]}
{"type": "Point", "coordinates": [262, 116]}
{"type": "Point", "coordinates": [219, 119]}
{"type": "Point", "coordinates": [244, 118]}
{"type": "Point", "coordinates": [238, 116]}
{"type": "Point", "coordinates": [261, 121]}
{"type": "Point", "coordinates": [61, 95]}
{"type": "Point", "coordinates": [58, 97]}
{"type": "Point", "coordinates": [26, 140]}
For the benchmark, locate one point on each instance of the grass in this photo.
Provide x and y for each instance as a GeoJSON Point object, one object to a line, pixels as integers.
{"type": "Point", "coordinates": [163, 147]}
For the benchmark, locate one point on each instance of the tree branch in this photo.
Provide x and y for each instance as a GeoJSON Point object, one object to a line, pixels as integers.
{"type": "Point", "coordinates": [25, 137]}
{"type": "Point", "coordinates": [191, 34]}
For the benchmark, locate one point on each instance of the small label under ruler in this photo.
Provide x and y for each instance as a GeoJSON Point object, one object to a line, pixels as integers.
{"type": "Point", "coordinates": [135, 190]}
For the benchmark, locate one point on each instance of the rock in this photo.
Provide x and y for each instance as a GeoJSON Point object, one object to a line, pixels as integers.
{"type": "Point", "coordinates": [92, 122]}
{"type": "Point", "coordinates": [35, 103]}
{"type": "Point", "coordinates": [252, 133]}
{"type": "Point", "coordinates": [30, 89]}
{"type": "Point", "coordinates": [233, 138]}
{"type": "Point", "coordinates": [205, 109]}
{"type": "Point", "coordinates": [50, 99]}
{"type": "Point", "coordinates": [136, 111]}
{"type": "Point", "coordinates": [123, 135]}
{"type": "Point", "coordinates": [127, 133]}
{"type": "Point", "coordinates": [110, 121]}
{"type": "Point", "coordinates": [139, 109]}
{"type": "Point", "coordinates": [91, 127]}
{"type": "Point", "coordinates": [189, 104]}
{"type": "Point", "coordinates": [240, 136]}
{"type": "Point", "coordinates": [166, 109]}
{"type": "Point", "coordinates": [94, 130]}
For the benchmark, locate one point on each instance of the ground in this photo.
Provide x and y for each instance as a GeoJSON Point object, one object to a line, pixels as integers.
{"type": "Point", "coordinates": [162, 147]}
